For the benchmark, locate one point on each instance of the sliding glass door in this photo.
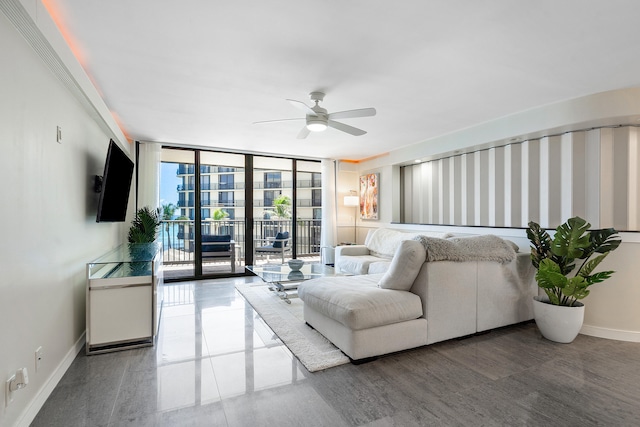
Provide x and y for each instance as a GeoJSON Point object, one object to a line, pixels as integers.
{"type": "Point", "coordinates": [272, 209]}
{"type": "Point", "coordinates": [177, 211]}
{"type": "Point", "coordinates": [308, 208]}
{"type": "Point", "coordinates": [222, 217]}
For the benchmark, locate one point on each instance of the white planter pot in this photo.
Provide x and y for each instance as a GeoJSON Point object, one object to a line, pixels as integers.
{"type": "Point", "coordinates": [557, 323]}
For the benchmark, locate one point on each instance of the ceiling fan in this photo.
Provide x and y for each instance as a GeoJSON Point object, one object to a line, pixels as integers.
{"type": "Point", "coordinates": [318, 119]}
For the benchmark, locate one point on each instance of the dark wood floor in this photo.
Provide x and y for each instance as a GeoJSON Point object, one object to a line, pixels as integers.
{"type": "Point", "coordinates": [217, 364]}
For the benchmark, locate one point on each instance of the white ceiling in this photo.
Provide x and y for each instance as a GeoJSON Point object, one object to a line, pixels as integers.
{"type": "Point", "coordinates": [199, 72]}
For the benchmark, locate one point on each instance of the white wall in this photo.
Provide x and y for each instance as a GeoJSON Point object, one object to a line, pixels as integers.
{"type": "Point", "coordinates": [48, 221]}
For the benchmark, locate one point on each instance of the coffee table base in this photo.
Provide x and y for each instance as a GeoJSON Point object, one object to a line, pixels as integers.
{"type": "Point", "coordinates": [281, 278]}
{"type": "Point", "coordinates": [281, 290]}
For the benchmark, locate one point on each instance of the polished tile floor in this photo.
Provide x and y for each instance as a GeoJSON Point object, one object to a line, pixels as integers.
{"type": "Point", "coordinates": [216, 363]}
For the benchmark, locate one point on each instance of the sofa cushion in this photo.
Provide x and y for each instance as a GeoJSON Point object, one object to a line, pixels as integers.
{"type": "Point", "coordinates": [379, 267]}
{"type": "Point", "coordinates": [383, 242]}
{"type": "Point", "coordinates": [357, 303]}
{"type": "Point", "coordinates": [356, 264]}
{"type": "Point", "coordinates": [215, 241]}
{"type": "Point", "coordinates": [405, 266]}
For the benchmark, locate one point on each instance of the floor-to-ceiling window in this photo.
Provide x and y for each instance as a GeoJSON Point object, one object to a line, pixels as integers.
{"type": "Point", "coordinates": [177, 174]}
{"type": "Point", "coordinates": [308, 207]}
{"type": "Point", "coordinates": [223, 229]}
{"type": "Point", "coordinates": [225, 210]}
{"type": "Point", "coordinates": [273, 204]}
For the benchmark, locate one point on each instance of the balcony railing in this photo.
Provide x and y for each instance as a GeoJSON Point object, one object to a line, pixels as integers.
{"type": "Point", "coordinates": [177, 235]}
{"type": "Point", "coordinates": [260, 185]}
{"type": "Point", "coordinates": [211, 204]}
{"type": "Point", "coordinates": [189, 169]}
{"type": "Point", "coordinates": [214, 186]}
{"type": "Point", "coordinates": [308, 183]}
{"type": "Point", "coordinates": [305, 203]}
{"type": "Point", "coordinates": [185, 169]}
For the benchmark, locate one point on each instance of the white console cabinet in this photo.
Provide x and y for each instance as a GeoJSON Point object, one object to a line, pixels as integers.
{"type": "Point", "coordinates": [124, 298]}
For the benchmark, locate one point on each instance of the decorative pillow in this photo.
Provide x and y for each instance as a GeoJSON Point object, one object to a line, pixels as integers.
{"type": "Point", "coordinates": [404, 267]}
{"type": "Point", "coordinates": [278, 239]}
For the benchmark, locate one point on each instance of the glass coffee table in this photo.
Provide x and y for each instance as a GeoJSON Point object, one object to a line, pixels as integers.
{"type": "Point", "coordinates": [284, 281]}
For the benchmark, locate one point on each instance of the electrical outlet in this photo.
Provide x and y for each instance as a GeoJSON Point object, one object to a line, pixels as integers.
{"type": "Point", "coordinates": [39, 356]}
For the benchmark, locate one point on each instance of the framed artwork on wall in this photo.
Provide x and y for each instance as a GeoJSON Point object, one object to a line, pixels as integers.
{"type": "Point", "coordinates": [369, 196]}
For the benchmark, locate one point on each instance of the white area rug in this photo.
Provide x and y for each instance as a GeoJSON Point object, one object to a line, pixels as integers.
{"type": "Point", "coordinates": [313, 350]}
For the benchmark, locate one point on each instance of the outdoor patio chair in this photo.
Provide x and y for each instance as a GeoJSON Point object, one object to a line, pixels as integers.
{"type": "Point", "coordinates": [278, 245]}
{"type": "Point", "coordinates": [219, 246]}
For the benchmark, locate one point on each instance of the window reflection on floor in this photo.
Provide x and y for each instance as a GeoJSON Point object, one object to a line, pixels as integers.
{"type": "Point", "coordinates": [213, 345]}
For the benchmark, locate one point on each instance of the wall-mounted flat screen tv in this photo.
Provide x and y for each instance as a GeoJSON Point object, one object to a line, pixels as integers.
{"type": "Point", "coordinates": [116, 184]}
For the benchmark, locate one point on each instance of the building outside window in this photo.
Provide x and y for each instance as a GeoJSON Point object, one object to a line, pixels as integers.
{"type": "Point", "coordinates": [269, 196]}
{"type": "Point", "coordinates": [225, 181]}
{"type": "Point", "coordinates": [273, 180]}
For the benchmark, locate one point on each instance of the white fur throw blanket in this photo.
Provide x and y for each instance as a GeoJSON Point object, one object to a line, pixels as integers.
{"type": "Point", "coordinates": [475, 248]}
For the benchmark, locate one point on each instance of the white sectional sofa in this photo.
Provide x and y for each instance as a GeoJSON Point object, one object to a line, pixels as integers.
{"type": "Point", "coordinates": [375, 255]}
{"type": "Point", "coordinates": [420, 300]}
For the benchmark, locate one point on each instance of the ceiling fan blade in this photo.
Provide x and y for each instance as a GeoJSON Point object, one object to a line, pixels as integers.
{"type": "Point", "coordinates": [302, 106]}
{"type": "Point", "coordinates": [304, 132]}
{"type": "Point", "coordinates": [346, 128]}
{"type": "Point", "coordinates": [275, 121]}
{"type": "Point", "coordinates": [362, 112]}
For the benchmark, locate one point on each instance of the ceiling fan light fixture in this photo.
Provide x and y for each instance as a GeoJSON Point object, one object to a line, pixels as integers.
{"type": "Point", "coordinates": [316, 125]}
{"type": "Point", "coordinates": [319, 119]}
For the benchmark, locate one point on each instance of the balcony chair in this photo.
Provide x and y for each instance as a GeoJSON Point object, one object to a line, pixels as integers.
{"type": "Point", "coordinates": [278, 245]}
{"type": "Point", "coordinates": [219, 246]}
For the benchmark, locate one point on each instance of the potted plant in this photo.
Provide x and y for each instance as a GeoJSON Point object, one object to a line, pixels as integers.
{"type": "Point", "coordinates": [144, 228]}
{"type": "Point", "coordinates": [143, 232]}
{"type": "Point", "coordinates": [560, 314]}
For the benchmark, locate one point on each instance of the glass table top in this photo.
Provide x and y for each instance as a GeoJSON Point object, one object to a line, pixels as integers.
{"type": "Point", "coordinates": [283, 273]}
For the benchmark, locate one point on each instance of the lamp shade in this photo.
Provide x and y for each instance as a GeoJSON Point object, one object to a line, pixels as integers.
{"type": "Point", "coordinates": [351, 201]}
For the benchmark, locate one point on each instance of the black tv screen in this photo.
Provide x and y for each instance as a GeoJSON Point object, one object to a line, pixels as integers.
{"type": "Point", "coordinates": [116, 183]}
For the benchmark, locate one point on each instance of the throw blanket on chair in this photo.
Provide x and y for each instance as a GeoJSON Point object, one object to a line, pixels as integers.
{"type": "Point", "coordinates": [476, 248]}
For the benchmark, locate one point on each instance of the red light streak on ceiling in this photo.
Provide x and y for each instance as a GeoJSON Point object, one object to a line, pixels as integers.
{"type": "Point", "coordinates": [76, 50]}
{"type": "Point", "coordinates": [121, 126]}
{"type": "Point", "coordinates": [56, 15]}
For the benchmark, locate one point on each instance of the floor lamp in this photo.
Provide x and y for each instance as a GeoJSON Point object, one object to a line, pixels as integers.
{"type": "Point", "coordinates": [353, 201]}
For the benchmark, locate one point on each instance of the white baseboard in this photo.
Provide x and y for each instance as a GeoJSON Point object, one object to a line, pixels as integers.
{"type": "Point", "coordinates": [43, 394]}
{"type": "Point", "coordinates": [612, 334]}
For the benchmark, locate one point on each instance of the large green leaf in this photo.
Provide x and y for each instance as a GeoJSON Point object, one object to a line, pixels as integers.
{"type": "Point", "coordinates": [572, 239]}
{"type": "Point", "coordinates": [591, 265]}
{"type": "Point", "coordinates": [549, 275]}
{"type": "Point", "coordinates": [600, 276]}
{"type": "Point", "coordinates": [576, 288]}
{"type": "Point", "coordinates": [553, 297]}
{"type": "Point", "coordinates": [541, 243]}
{"type": "Point", "coordinates": [605, 240]}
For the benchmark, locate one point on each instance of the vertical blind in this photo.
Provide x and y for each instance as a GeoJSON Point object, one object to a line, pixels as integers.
{"type": "Point", "coordinates": [592, 174]}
